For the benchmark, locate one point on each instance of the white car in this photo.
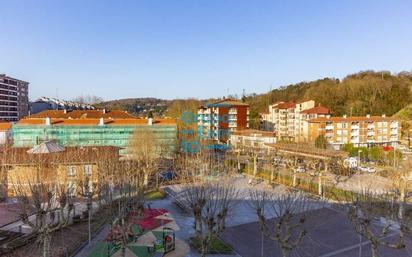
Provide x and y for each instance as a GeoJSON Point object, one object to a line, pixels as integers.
{"type": "Point", "coordinates": [371, 170]}
{"type": "Point", "coordinates": [367, 169]}
{"type": "Point", "coordinates": [299, 169]}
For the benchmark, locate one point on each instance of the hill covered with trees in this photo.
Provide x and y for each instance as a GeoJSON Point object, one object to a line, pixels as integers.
{"type": "Point", "coordinates": [367, 92]}
{"type": "Point", "coordinates": [137, 106]}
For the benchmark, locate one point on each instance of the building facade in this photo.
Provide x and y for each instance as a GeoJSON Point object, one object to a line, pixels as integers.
{"type": "Point", "coordinates": [91, 128]}
{"type": "Point", "coordinates": [216, 121]}
{"type": "Point", "coordinates": [68, 165]}
{"type": "Point", "coordinates": [252, 138]}
{"type": "Point", "coordinates": [289, 119]}
{"type": "Point", "coordinates": [46, 103]}
{"type": "Point", "coordinates": [363, 131]}
{"type": "Point", "coordinates": [14, 99]}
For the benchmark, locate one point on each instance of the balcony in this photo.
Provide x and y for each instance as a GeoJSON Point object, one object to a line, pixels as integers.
{"type": "Point", "coordinates": [329, 127]}
{"type": "Point", "coordinates": [354, 127]}
{"type": "Point", "coordinates": [371, 133]}
{"type": "Point", "coordinates": [232, 111]}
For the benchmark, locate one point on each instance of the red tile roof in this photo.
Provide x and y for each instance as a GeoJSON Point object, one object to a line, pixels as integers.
{"type": "Point", "coordinates": [350, 119]}
{"type": "Point", "coordinates": [95, 122]}
{"type": "Point", "coordinates": [83, 114]}
{"type": "Point", "coordinates": [317, 110]}
{"type": "Point", "coordinates": [227, 102]}
{"type": "Point", "coordinates": [286, 105]}
{"type": "Point", "coordinates": [4, 126]}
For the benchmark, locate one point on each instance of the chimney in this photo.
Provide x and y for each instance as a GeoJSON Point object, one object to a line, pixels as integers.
{"type": "Point", "coordinates": [104, 111]}
{"type": "Point", "coordinates": [344, 116]}
{"type": "Point", "coordinates": [101, 122]}
{"type": "Point", "coordinates": [328, 116]}
{"type": "Point", "coordinates": [48, 121]}
{"type": "Point", "coordinates": [150, 121]}
{"type": "Point", "coordinates": [65, 111]}
{"type": "Point", "coordinates": [383, 115]}
{"type": "Point", "coordinates": [368, 115]}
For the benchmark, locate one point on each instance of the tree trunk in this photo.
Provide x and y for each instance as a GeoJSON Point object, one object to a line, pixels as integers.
{"type": "Point", "coordinates": [146, 179]}
{"type": "Point", "coordinates": [255, 165]}
{"type": "Point", "coordinates": [294, 179]}
{"type": "Point", "coordinates": [320, 189]}
{"type": "Point", "coordinates": [46, 246]}
{"type": "Point", "coordinates": [374, 249]}
{"type": "Point", "coordinates": [203, 246]}
{"type": "Point", "coordinates": [320, 185]}
{"type": "Point", "coordinates": [238, 162]}
{"type": "Point", "coordinates": [285, 252]}
{"type": "Point", "coordinates": [402, 203]}
{"type": "Point", "coordinates": [89, 221]}
{"type": "Point", "coordinates": [123, 251]}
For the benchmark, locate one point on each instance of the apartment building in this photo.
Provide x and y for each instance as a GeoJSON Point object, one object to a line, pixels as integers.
{"type": "Point", "coordinates": [365, 131]}
{"type": "Point", "coordinates": [14, 99]}
{"type": "Point", "coordinates": [289, 119]}
{"type": "Point", "coordinates": [217, 120]}
{"type": "Point", "coordinates": [52, 162]}
{"type": "Point", "coordinates": [91, 128]}
{"type": "Point", "coordinates": [252, 138]}
{"type": "Point", "coordinates": [46, 103]}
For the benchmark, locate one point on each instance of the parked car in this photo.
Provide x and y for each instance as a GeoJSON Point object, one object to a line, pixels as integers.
{"type": "Point", "coordinates": [371, 170]}
{"type": "Point", "coordinates": [367, 169]}
{"type": "Point", "coordinates": [363, 168]}
{"type": "Point", "coordinates": [299, 169]}
{"type": "Point", "coordinates": [166, 175]}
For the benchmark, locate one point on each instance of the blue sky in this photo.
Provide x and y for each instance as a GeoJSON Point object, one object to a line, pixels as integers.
{"type": "Point", "coordinates": [193, 48]}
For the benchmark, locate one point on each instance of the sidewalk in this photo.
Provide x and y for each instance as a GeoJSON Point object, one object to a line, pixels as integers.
{"type": "Point", "coordinates": [19, 226]}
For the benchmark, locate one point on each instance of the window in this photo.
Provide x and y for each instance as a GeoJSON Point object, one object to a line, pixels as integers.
{"type": "Point", "coordinates": [71, 171]}
{"type": "Point", "coordinates": [88, 170]}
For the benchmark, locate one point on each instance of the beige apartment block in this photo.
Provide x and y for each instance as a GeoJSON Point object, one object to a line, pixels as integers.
{"type": "Point", "coordinates": [362, 131]}
{"type": "Point", "coordinates": [289, 120]}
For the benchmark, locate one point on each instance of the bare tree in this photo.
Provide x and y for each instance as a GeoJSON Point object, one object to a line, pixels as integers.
{"type": "Point", "coordinates": [40, 202]}
{"type": "Point", "coordinates": [400, 177]}
{"type": "Point", "coordinates": [127, 196]}
{"type": "Point", "coordinates": [210, 203]}
{"type": "Point", "coordinates": [146, 149]}
{"type": "Point", "coordinates": [88, 99]}
{"type": "Point", "coordinates": [289, 212]}
{"type": "Point", "coordinates": [87, 188]}
{"type": "Point", "coordinates": [375, 218]}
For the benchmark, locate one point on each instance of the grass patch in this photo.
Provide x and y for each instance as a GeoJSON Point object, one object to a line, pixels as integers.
{"type": "Point", "coordinates": [216, 246]}
{"type": "Point", "coordinates": [155, 195]}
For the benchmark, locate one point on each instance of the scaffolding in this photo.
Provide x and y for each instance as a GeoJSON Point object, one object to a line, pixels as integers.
{"type": "Point", "coordinates": [93, 135]}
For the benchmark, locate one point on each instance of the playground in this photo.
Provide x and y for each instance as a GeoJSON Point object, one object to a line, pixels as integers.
{"type": "Point", "coordinates": [151, 233]}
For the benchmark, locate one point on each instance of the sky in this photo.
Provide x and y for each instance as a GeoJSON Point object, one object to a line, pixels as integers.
{"type": "Point", "coordinates": [196, 48]}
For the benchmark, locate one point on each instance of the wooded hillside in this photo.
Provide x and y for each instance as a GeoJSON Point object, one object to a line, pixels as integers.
{"type": "Point", "coordinates": [362, 93]}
